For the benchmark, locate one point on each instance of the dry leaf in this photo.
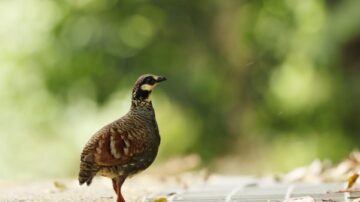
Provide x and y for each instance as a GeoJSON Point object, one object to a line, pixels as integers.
{"type": "Point", "coordinates": [352, 179]}
{"type": "Point", "coordinates": [160, 200]}
{"type": "Point", "coordinates": [60, 186]}
{"type": "Point", "coordinates": [322, 171]}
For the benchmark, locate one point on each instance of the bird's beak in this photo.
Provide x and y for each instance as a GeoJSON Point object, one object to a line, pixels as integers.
{"type": "Point", "coordinates": [160, 79]}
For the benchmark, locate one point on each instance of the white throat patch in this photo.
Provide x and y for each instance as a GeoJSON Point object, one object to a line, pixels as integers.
{"type": "Point", "coordinates": [147, 87]}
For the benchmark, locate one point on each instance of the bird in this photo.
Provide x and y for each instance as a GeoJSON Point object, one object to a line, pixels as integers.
{"type": "Point", "coordinates": [127, 145]}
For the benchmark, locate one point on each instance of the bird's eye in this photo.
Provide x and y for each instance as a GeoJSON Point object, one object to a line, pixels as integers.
{"type": "Point", "coordinates": [149, 80]}
{"type": "Point", "coordinates": [146, 80]}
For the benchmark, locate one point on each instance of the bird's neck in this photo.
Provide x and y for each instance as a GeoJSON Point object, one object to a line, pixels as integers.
{"type": "Point", "coordinates": [141, 103]}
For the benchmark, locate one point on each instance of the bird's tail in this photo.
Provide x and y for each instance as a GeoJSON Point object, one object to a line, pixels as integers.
{"type": "Point", "coordinates": [87, 171]}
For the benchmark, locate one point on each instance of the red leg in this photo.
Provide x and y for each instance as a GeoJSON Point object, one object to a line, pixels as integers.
{"type": "Point", "coordinates": [120, 198]}
{"type": "Point", "coordinates": [114, 186]}
{"type": "Point", "coordinates": [117, 183]}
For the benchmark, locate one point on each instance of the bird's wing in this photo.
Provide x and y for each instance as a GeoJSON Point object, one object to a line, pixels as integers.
{"type": "Point", "coordinates": [117, 145]}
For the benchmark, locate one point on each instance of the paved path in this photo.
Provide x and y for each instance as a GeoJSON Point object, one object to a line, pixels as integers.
{"type": "Point", "coordinates": [242, 189]}
{"type": "Point", "coordinates": [190, 189]}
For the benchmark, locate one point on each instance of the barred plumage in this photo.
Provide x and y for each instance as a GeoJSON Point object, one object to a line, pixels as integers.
{"type": "Point", "coordinates": [127, 145]}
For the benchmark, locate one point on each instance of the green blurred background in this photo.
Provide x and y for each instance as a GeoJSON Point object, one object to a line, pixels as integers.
{"type": "Point", "coordinates": [253, 86]}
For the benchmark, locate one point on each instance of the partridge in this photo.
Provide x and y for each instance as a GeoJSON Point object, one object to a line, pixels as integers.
{"type": "Point", "coordinates": [127, 145]}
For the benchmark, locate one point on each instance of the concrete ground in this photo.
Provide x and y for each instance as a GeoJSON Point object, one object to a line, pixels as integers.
{"type": "Point", "coordinates": [185, 188]}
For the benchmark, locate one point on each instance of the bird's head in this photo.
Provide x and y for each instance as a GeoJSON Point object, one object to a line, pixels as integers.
{"type": "Point", "coordinates": [144, 85]}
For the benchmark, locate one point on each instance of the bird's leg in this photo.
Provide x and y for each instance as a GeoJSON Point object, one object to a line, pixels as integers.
{"type": "Point", "coordinates": [114, 185]}
{"type": "Point", "coordinates": [117, 183]}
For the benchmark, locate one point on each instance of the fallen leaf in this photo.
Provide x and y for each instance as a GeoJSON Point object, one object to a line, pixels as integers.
{"type": "Point", "coordinates": [160, 200]}
{"type": "Point", "coordinates": [352, 179]}
{"type": "Point", "coordinates": [60, 185]}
